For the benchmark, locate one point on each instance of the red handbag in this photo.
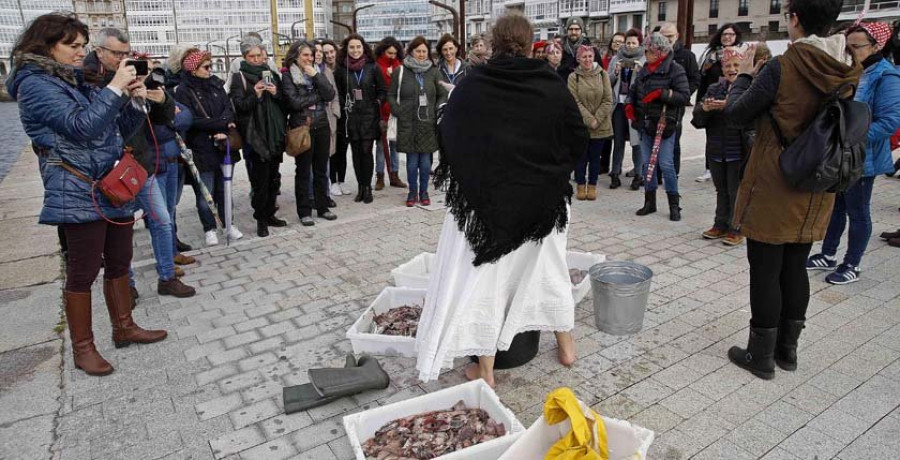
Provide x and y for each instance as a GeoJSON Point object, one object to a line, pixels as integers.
{"type": "Point", "coordinates": [120, 186]}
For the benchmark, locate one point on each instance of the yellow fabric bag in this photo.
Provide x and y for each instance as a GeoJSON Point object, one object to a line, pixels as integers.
{"type": "Point", "coordinates": [587, 438]}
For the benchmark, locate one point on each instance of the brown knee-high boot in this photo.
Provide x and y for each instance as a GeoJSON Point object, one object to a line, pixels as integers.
{"type": "Point", "coordinates": [78, 316]}
{"type": "Point", "coordinates": [118, 303]}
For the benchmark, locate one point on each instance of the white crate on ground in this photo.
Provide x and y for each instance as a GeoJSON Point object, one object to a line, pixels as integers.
{"type": "Point", "coordinates": [582, 261]}
{"type": "Point", "coordinates": [476, 394]}
{"type": "Point", "coordinates": [416, 272]}
{"type": "Point", "coordinates": [363, 341]}
{"type": "Point", "coordinates": [625, 441]}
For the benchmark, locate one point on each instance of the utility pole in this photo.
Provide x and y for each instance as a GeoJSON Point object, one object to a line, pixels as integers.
{"type": "Point", "coordinates": [356, 11]}
{"type": "Point", "coordinates": [279, 54]}
{"type": "Point", "coordinates": [685, 23]}
{"type": "Point", "coordinates": [462, 26]}
{"type": "Point", "coordinates": [456, 28]}
{"type": "Point", "coordinates": [310, 21]}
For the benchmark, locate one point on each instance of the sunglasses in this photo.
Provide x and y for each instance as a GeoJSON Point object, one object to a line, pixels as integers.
{"type": "Point", "coordinates": [206, 67]}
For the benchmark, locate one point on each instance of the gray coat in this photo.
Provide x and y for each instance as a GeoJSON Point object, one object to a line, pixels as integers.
{"type": "Point", "coordinates": [416, 126]}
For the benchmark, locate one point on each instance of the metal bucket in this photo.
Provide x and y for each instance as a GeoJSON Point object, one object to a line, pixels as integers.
{"type": "Point", "coordinates": [620, 292]}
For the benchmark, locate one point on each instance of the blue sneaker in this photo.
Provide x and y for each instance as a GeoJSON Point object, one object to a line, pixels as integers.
{"type": "Point", "coordinates": [845, 274]}
{"type": "Point", "coordinates": [821, 262]}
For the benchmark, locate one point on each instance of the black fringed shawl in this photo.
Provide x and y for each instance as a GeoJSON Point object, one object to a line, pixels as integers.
{"type": "Point", "coordinates": [510, 136]}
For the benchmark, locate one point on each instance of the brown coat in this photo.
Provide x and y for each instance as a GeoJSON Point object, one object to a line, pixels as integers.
{"type": "Point", "coordinates": [767, 209]}
{"type": "Point", "coordinates": [593, 93]}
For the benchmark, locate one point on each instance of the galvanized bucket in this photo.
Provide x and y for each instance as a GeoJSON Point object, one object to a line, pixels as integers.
{"type": "Point", "coordinates": [620, 291]}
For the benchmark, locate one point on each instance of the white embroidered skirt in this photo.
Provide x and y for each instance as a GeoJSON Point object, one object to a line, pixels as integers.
{"type": "Point", "coordinates": [478, 310]}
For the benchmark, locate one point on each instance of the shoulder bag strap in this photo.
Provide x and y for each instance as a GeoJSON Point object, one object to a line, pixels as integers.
{"type": "Point", "coordinates": [200, 104]}
{"type": "Point", "coordinates": [399, 84]}
{"type": "Point", "coordinates": [75, 172]}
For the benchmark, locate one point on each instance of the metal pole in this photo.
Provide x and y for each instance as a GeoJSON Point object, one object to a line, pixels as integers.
{"type": "Point", "coordinates": [462, 27]}
{"type": "Point", "coordinates": [356, 11]}
{"type": "Point", "coordinates": [686, 22]}
{"type": "Point", "coordinates": [310, 21]}
{"type": "Point", "coordinates": [453, 12]}
{"type": "Point", "coordinates": [174, 21]}
{"type": "Point", "coordinates": [273, 6]}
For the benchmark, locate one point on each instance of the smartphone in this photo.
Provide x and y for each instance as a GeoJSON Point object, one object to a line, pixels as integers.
{"type": "Point", "coordinates": [140, 66]}
{"type": "Point", "coordinates": [267, 77]}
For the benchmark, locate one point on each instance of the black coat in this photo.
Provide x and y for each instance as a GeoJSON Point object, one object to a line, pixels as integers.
{"type": "Point", "coordinates": [298, 99]}
{"type": "Point", "coordinates": [688, 61]}
{"type": "Point", "coordinates": [207, 100]}
{"type": "Point", "coordinates": [244, 100]}
{"type": "Point", "coordinates": [724, 141]}
{"type": "Point", "coordinates": [672, 80]}
{"type": "Point", "coordinates": [247, 106]}
{"type": "Point", "coordinates": [364, 117]}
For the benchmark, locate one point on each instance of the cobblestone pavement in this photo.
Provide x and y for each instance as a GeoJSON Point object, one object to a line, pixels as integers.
{"type": "Point", "coordinates": [268, 309]}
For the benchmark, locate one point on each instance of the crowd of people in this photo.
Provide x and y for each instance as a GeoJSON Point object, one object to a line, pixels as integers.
{"type": "Point", "coordinates": [380, 101]}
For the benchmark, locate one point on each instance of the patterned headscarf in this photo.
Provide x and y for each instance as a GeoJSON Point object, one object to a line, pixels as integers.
{"type": "Point", "coordinates": [879, 31]}
{"type": "Point", "coordinates": [193, 60]}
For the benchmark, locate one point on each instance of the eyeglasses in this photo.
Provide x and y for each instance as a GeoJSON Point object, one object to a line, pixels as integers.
{"type": "Point", "coordinates": [858, 46]}
{"type": "Point", "coordinates": [788, 15]}
{"type": "Point", "coordinates": [574, 28]}
{"type": "Point", "coordinates": [728, 34]}
{"type": "Point", "coordinates": [118, 54]}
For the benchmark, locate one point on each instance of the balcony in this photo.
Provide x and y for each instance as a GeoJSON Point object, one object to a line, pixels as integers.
{"type": "Point", "coordinates": [513, 3]}
{"type": "Point", "coordinates": [877, 9]}
{"type": "Point", "coordinates": [627, 6]}
{"type": "Point", "coordinates": [569, 8]}
{"type": "Point", "coordinates": [598, 8]}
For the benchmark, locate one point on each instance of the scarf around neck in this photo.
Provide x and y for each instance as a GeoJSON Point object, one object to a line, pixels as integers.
{"type": "Point", "coordinates": [416, 65]}
{"type": "Point", "coordinates": [625, 53]}
{"type": "Point", "coordinates": [66, 73]}
{"type": "Point", "coordinates": [355, 65]}
{"type": "Point", "coordinates": [255, 70]}
{"type": "Point", "coordinates": [298, 77]}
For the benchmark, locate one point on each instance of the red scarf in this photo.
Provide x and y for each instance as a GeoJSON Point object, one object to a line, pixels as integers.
{"type": "Point", "coordinates": [655, 65]}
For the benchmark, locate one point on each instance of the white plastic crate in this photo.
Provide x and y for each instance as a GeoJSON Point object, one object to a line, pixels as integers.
{"type": "Point", "coordinates": [416, 273]}
{"type": "Point", "coordinates": [380, 344]}
{"type": "Point", "coordinates": [625, 440]}
{"type": "Point", "coordinates": [476, 394]}
{"type": "Point", "coordinates": [582, 261]}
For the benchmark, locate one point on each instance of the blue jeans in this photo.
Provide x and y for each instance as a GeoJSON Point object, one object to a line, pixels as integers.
{"type": "Point", "coordinates": [665, 163]}
{"type": "Point", "coordinates": [853, 203]}
{"type": "Point", "coordinates": [379, 156]}
{"type": "Point", "coordinates": [590, 160]}
{"type": "Point", "coordinates": [152, 201]}
{"type": "Point", "coordinates": [215, 184]}
{"type": "Point", "coordinates": [418, 169]}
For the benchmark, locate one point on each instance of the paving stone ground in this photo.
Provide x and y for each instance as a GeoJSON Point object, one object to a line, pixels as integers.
{"type": "Point", "coordinates": [268, 309]}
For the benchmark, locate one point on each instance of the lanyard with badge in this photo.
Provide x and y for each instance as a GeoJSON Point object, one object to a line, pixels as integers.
{"type": "Point", "coordinates": [358, 92]}
{"type": "Point", "coordinates": [451, 77]}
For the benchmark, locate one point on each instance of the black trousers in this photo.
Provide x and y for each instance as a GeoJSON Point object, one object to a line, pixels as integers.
{"type": "Point", "coordinates": [726, 177]}
{"type": "Point", "coordinates": [89, 244]}
{"type": "Point", "coordinates": [363, 161]}
{"type": "Point", "coordinates": [606, 156]}
{"type": "Point", "coordinates": [317, 159]}
{"type": "Point", "coordinates": [779, 285]}
{"type": "Point", "coordinates": [339, 159]}
{"type": "Point", "coordinates": [264, 185]}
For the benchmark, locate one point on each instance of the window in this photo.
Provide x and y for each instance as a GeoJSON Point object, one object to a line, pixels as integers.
{"type": "Point", "coordinates": [775, 7]}
{"type": "Point", "coordinates": [774, 26]}
{"type": "Point", "coordinates": [661, 15]}
{"type": "Point", "coordinates": [713, 8]}
{"type": "Point", "coordinates": [743, 7]}
{"type": "Point", "coordinates": [622, 23]}
{"type": "Point", "coordinates": [713, 28]}
{"type": "Point", "coordinates": [637, 21]}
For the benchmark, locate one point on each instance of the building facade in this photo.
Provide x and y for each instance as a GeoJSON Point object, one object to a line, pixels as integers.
{"type": "Point", "coordinates": [403, 19]}
{"type": "Point", "coordinates": [100, 14]}
{"type": "Point", "coordinates": [342, 12]}
{"type": "Point", "coordinates": [758, 20]}
{"type": "Point", "coordinates": [15, 15]}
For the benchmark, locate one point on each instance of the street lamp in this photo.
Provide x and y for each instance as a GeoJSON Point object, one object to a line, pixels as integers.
{"type": "Point", "coordinates": [356, 11]}
{"type": "Point", "coordinates": [227, 57]}
{"type": "Point", "coordinates": [452, 12]}
{"type": "Point", "coordinates": [227, 46]}
{"type": "Point", "coordinates": [337, 23]}
{"type": "Point", "coordinates": [293, 30]}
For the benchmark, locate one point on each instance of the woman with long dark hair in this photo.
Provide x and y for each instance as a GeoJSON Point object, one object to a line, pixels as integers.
{"type": "Point", "coordinates": [389, 56]}
{"type": "Point", "coordinates": [616, 42]}
{"type": "Point", "coordinates": [501, 259]}
{"type": "Point", "coordinates": [76, 131]}
{"type": "Point", "coordinates": [307, 94]}
{"type": "Point", "coordinates": [362, 90]}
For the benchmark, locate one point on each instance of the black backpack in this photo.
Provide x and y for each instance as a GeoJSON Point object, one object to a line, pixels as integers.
{"type": "Point", "coordinates": [830, 154]}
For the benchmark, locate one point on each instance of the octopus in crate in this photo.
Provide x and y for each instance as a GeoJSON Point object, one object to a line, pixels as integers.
{"type": "Point", "coordinates": [432, 434]}
{"type": "Point", "coordinates": [402, 321]}
{"type": "Point", "coordinates": [577, 276]}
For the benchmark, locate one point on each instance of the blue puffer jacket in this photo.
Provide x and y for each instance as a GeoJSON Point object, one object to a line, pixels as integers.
{"type": "Point", "coordinates": [69, 121]}
{"type": "Point", "coordinates": [880, 88]}
{"type": "Point", "coordinates": [165, 134]}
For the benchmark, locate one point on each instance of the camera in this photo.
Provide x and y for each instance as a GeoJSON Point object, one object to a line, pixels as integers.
{"type": "Point", "coordinates": [156, 79]}
{"type": "Point", "coordinates": [141, 66]}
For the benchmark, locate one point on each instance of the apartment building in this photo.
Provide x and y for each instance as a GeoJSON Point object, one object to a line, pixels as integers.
{"type": "Point", "coordinates": [14, 15]}
{"type": "Point", "coordinates": [602, 18]}
{"type": "Point", "coordinates": [342, 12]}
{"type": "Point", "coordinates": [403, 19]}
{"type": "Point", "coordinates": [100, 14]}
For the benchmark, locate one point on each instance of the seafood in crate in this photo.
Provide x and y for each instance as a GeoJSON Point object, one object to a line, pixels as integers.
{"type": "Point", "coordinates": [402, 321]}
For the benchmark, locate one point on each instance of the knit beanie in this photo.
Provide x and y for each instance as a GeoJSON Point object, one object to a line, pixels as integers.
{"type": "Point", "coordinates": [574, 20]}
{"type": "Point", "coordinates": [658, 43]}
{"type": "Point", "coordinates": [193, 60]}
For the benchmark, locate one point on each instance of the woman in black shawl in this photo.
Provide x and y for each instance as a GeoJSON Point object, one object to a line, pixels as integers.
{"type": "Point", "coordinates": [501, 266]}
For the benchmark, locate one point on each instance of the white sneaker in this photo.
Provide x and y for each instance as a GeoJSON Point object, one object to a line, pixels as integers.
{"type": "Point", "coordinates": [344, 190]}
{"type": "Point", "coordinates": [235, 233]}
{"type": "Point", "coordinates": [336, 189]}
{"type": "Point", "coordinates": [211, 238]}
{"type": "Point", "coordinates": [705, 177]}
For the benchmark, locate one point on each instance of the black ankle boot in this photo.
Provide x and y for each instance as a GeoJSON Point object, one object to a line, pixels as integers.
{"type": "Point", "coordinates": [759, 356]}
{"type": "Point", "coordinates": [786, 343]}
{"type": "Point", "coordinates": [649, 204]}
{"type": "Point", "coordinates": [615, 182]}
{"type": "Point", "coordinates": [262, 229]}
{"type": "Point", "coordinates": [674, 209]}
{"type": "Point", "coordinates": [367, 195]}
{"type": "Point", "coordinates": [636, 183]}
{"type": "Point", "coordinates": [359, 194]}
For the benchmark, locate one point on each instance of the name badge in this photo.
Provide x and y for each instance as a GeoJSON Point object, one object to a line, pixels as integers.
{"type": "Point", "coordinates": [358, 94]}
{"type": "Point", "coordinates": [423, 100]}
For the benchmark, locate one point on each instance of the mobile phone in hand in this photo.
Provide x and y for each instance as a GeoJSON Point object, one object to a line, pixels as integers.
{"type": "Point", "coordinates": [140, 65]}
{"type": "Point", "coordinates": [267, 77]}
